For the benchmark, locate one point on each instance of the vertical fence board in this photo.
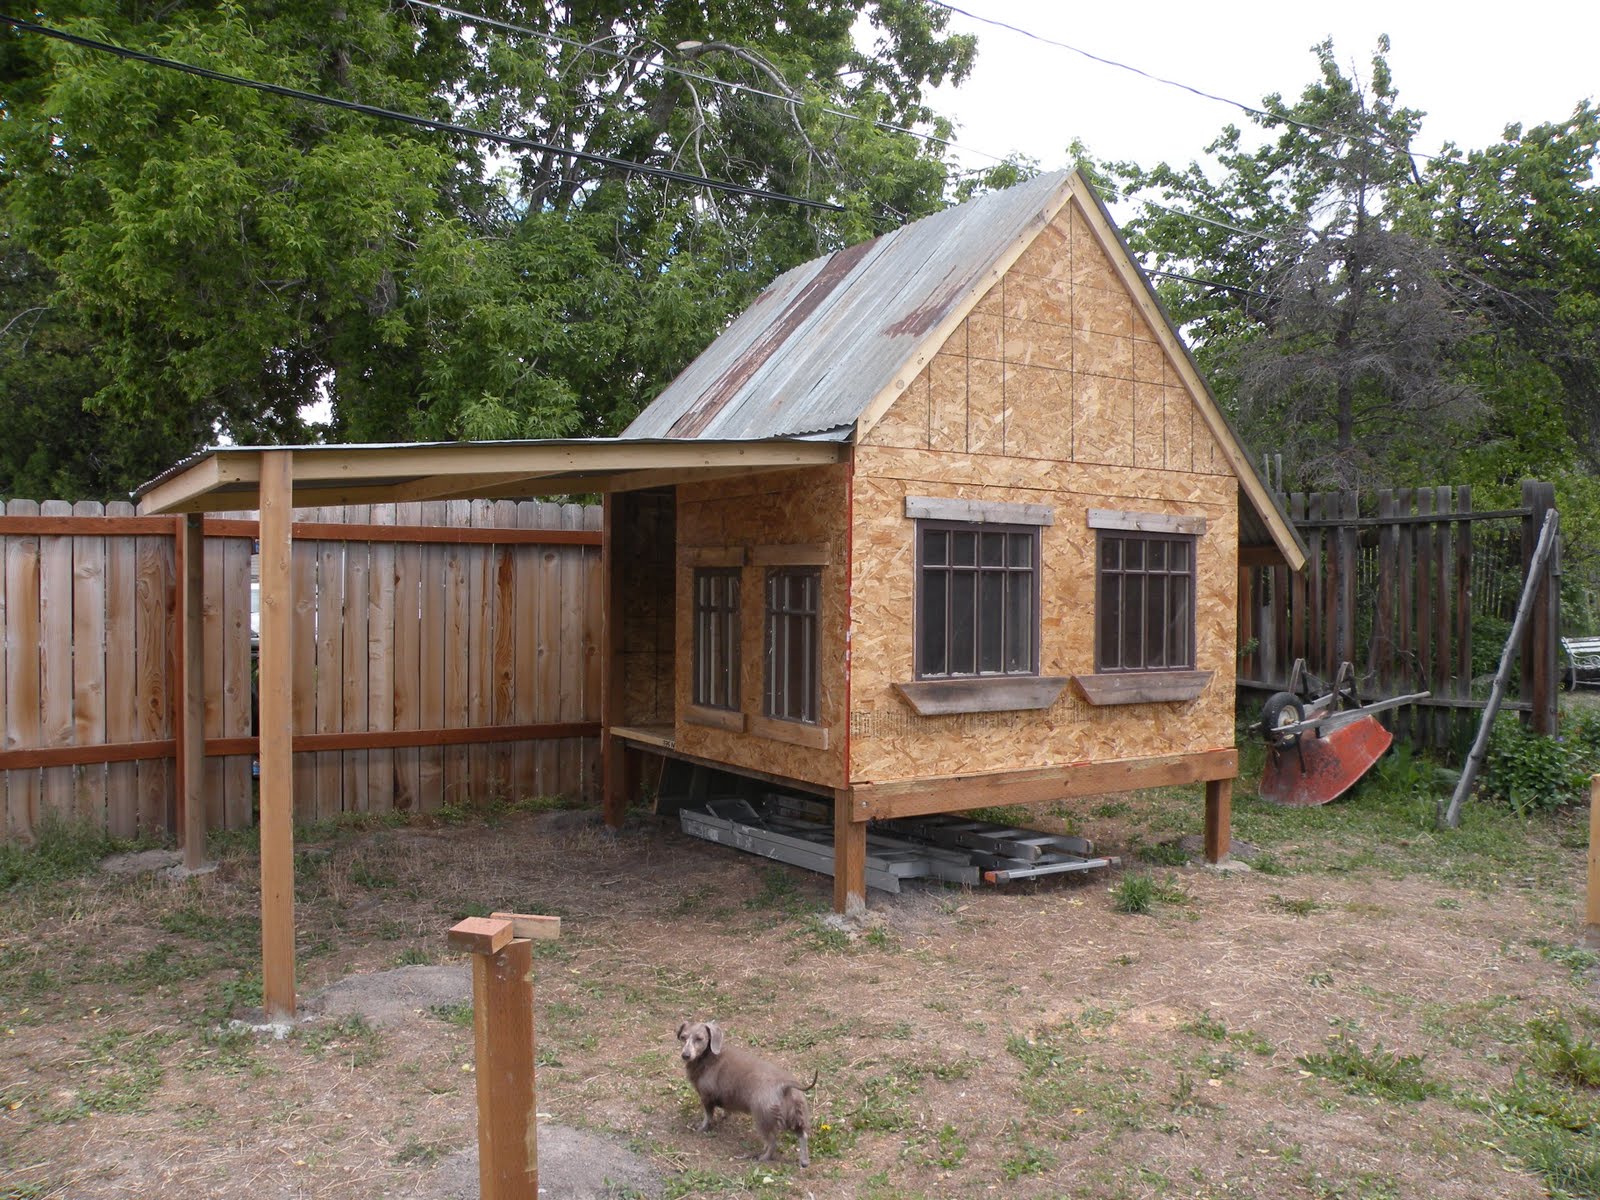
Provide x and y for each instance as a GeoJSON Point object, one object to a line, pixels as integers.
{"type": "Point", "coordinates": [1444, 658]}
{"type": "Point", "coordinates": [571, 644]}
{"type": "Point", "coordinates": [303, 696]}
{"type": "Point", "coordinates": [1297, 589]}
{"type": "Point", "coordinates": [457, 653]}
{"type": "Point", "coordinates": [238, 689]}
{"type": "Point", "coordinates": [213, 666]}
{"type": "Point", "coordinates": [505, 608]}
{"type": "Point", "coordinates": [330, 666]}
{"type": "Point", "coordinates": [593, 639]}
{"type": "Point", "coordinates": [409, 601]}
{"type": "Point", "coordinates": [525, 651]}
{"type": "Point", "coordinates": [1349, 562]}
{"type": "Point", "coordinates": [1464, 596]}
{"type": "Point", "coordinates": [549, 651]}
{"type": "Point", "coordinates": [1383, 620]}
{"type": "Point", "coordinates": [89, 665]}
{"type": "Point", "coordinates": [55, 661]}
{"type": "Point", "coordinates": [431, 785]}
{"type": "Point", "coordinates": [154, 607]}
{"type": "Point", "coordinates": [353, 632]}
{"type": "Point", "coordinates": [23, 788]}
{"type": "Point", "coordinates": [122, 779]}
{"type": "Point", "coordinates": [380, 665]}
{"type": "Point", "coordinates": [478, 644]}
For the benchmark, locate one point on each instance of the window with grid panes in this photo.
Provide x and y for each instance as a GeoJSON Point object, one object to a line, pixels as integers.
{"type": "Point", "coordinates": [977, 600]}
{"type": "Point", "coordinates": [1145, 602]}
{"type": "Point", "coordinates": [793, 645]}
{"type": "Point", "coordinates": [716, 638]}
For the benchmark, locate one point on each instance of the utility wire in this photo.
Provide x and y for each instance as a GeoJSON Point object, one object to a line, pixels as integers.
{"type": "Point", "coordinates": [496, 23]}
{"type": "Point", "coordinates": [1252, 109]}
{"type": "Point", "coordinates": [412, 119]}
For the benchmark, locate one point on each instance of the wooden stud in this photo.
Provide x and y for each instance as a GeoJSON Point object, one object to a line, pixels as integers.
{"type": "Point", "coordinates": [277, 714]}
{"type": "Point", "coordinates": [524, 925]}
{"type": "Point", "coordinates": [849, 857]}
{"type": "Point", "coordinates": [502, 1027]}
{"type": "Point", "coordinates": [1219, 819]}
{"type": "Point", "coordinates": [189, 703]}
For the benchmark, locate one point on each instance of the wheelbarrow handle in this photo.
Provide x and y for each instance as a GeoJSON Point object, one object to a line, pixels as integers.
{"type": "Point", "coordinates": [1343, 717]}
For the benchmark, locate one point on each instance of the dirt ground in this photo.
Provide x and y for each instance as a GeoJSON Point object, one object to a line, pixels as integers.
{"type": "Point", "coordinates": [1245, 1037]}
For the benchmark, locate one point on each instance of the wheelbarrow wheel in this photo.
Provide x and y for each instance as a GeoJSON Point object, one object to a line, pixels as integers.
{"type": "Point", "coordinates": [1282, 709]}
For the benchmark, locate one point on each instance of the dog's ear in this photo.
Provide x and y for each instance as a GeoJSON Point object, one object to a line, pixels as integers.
{"type": "Point", "coordinates": [683, 1028]}
{"type": "Point", "coordinates": [715, 1031]}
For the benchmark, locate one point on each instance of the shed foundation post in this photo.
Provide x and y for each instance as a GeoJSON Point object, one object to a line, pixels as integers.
{"type": "Point", "coordinates": [1219, 819]}
{"type": "Point", "coordinates": [849, 856]}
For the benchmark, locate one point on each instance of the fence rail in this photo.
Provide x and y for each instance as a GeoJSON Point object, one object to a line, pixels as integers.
{"type": "Point", "coordinates": [444, 652]}
{"type": "Point", "coordinates": [1401, 592]}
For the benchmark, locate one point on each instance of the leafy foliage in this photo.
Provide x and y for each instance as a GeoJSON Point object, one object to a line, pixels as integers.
{"type": "Point", "coordinates": [1529, 772]}
{"type": "Point", "coordinates": [185, 260]}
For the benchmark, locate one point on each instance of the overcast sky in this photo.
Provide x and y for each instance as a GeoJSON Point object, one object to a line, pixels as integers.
{"type": "Point", "coordinates": [1472, 70]}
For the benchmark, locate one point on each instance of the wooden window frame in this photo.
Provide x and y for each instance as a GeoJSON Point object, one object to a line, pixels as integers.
{"type": "Point", "coordinates": [1144, 537]}
{"type": "Point", "coordinates": [783, 623]}
{"type": "Point", "coordinates": [1007, 571]}
{"type": "Point", "coordinates": [716, 626]}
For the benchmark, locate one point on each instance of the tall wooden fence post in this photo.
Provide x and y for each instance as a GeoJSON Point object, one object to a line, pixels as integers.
{"type": "Point", "coordinates": [502, 1027]}
{"type": "Point", "coordinates": [1539, 643]}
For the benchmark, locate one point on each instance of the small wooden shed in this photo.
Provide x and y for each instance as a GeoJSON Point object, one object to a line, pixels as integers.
{"type": "Point", "coordinates": [1017, 583]}
{"type": "Point", "coordinates": [944, 520]}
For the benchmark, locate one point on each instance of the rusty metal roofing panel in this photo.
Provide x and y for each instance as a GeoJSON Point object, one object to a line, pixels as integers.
{"type": "Point", "coordinates": [818, 345]}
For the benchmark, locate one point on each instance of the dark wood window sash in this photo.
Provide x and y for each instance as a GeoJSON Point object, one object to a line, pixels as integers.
{"type": "Point", "coordinates": [786, 622]}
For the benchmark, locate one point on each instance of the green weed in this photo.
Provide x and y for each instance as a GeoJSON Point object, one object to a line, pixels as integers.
{"type": "Point", "coordinates": [1375, 1072]}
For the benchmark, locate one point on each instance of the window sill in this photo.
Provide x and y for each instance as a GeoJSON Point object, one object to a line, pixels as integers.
{"type": "Point", "coordinates": [715, 718]}
{"type": "Point", "coordinates": [796, 733]}
{"type": "Point", "coordinates": [1142, 687]}
{"type": "Point", "coordinates": [984, 693]}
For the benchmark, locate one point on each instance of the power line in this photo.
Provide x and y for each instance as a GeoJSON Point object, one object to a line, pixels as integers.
{"type": "Point", "coordinates": [412, 119]}
{"type": "Point", "coordinates": [669, 68]}
{"type": "Point", "coordinates": [1253, 110]}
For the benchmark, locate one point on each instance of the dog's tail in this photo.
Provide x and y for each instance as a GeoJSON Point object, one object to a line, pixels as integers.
{"type": "Point", "coordinates": [808, 1086]}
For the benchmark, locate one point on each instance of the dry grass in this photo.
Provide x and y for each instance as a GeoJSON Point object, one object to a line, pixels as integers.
{"type": "Point", "coordinates": [1232, 1041]}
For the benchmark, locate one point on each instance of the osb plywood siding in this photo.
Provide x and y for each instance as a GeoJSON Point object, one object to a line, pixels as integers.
{"type": "Point", "coordinates": [890, 742]}
{"type": "Point", "coordinates": [1055, 361]}
{"type": "Point", "coordinates": [780, 508]}
{"type": "Point", "coordinates": [645, 556]}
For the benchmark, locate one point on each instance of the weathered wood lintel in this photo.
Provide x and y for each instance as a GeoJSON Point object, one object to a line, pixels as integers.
{"type": "Point", "coordinates": [1142, 687]}
{"type": "Point", "coordinates": [809, 554]}
{"type": "Point", "coordinates": [1146, 522]}
{"type": "Point", "coordinates": [995, 693]}
{"type": "Point", "coordinates": [873, 802]}
{"type": "Point", "coordinates": [712, 556]}
{"type": "Point", "coordinates": [978, 512]}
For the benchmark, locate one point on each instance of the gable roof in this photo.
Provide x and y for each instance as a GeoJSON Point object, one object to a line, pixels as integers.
{"type": "Point", "coordinates": [828, 346]}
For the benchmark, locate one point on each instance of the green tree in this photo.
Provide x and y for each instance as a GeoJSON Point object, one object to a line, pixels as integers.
{"type": "Point", "coordinates": [1329, 323]}
{"type": "Point", "coordinates": [187, 260]}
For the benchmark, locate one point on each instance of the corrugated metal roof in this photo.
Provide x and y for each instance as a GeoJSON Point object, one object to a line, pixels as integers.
{"type": "Point", "coordinates": [818, 345]}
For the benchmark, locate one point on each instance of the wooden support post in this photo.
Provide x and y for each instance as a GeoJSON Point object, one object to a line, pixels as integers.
{"type": "Point", "coordinates": [189, 703]}
{"type": "Point", "coordinates": [1539, 675]}
{"type": "Point", "coordinates": [1592, 917]}
{"type": "Point", "coordinates": [502, 1027]}
{"type": "Point", "coordinates": [849, 856]}
{"type": "Point", "coordinates": [1219, 819]}
{"type": "Point", "coordinates": [277, 714]}
{"type": "Point", "coordinates": [613, 766]}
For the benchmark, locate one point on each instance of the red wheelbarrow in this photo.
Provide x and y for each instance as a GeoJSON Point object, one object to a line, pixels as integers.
{"type": "Point", "coordinates": [1317, 749]}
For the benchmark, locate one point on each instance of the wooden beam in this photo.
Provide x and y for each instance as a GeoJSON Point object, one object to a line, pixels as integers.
{"type": "Point", "coordinates": [849, 857]}
{"type": "Point", "coordinates": [914, 797]}
{"type": "Point", "coordinates": [189, 704]}
{"type": "Point", "coordinates": [276, 687]}
{"type": "Point", "coordinates": [480, 935]}
{"type": "Point", "coordinates": [523, 925]}
{"type": "Point", "coordinates": [1146, 522]}
{"type": "Point", "coordinates": [1219, 819]}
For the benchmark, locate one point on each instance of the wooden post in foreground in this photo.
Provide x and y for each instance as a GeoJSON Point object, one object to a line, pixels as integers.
{"type": "Point", "coordinates": [1592, 919]}
{"type": "Point", "coordinates": [502, 1028]}
{"type": "Point", "coordinates": [1219, 819]}
{"type": "Point", "coordinates": [276, 691]}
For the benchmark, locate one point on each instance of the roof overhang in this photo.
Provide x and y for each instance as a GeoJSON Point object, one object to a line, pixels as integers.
{"type": "Point", "coordinates": [229, 477]}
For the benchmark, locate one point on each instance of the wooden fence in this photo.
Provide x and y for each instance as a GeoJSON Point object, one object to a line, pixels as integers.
{"type": "Point", "coordinates": [445, 652]}
{"type": "Point", "coordinates": [1397, 587]}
